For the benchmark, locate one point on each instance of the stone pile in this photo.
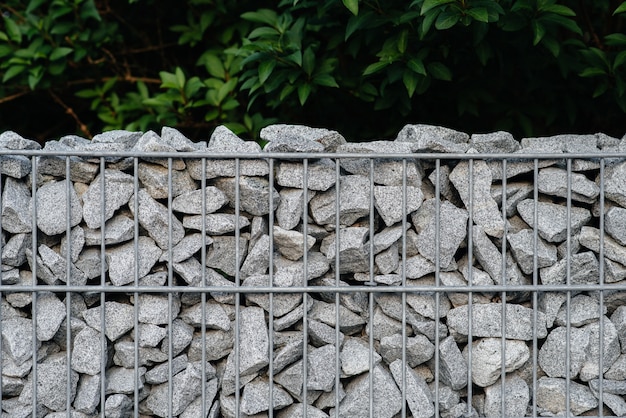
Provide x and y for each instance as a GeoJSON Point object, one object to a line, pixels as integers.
{"type": "Point", "coordinates": [554, 240]}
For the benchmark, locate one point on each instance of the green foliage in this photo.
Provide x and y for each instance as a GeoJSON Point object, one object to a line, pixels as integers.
{"type": "Point", "coordinates": [533, 67]}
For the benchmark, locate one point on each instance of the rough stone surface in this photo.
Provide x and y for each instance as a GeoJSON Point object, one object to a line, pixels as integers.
{"type": "Point", "coordinates": [254, 194]}
{"type": "Point", "coordinates": [121, 261]}
{"type": "Point", "coordinates": [553, 181]}
{"type": "Point", "coordinates": [418, 394]}
{"type": "Point", "coordinates": [388, 202]}
{"type": "Point", "coordinates": [157, 220]}
{"type": "Point", "coordinates": [453, 365]}
{"type": "Point", "coordinates": [516, 398]}
{"type": "Point", "coordinates": [552, 219]}
{"type": "Point", "coordinates": [433, 138]}
{"type": "Point", "coordinates": [15, 198]}
{"type": "Point", "coordinates": [551, 396]}
{"type": "Point", "coordinates": [615, 224]}
{"type": "Point", "coordinates": [118, 188]}
{"type": "Point", "coordinates": [522, 245]}
{"type": "Point", "coordinates": [487, 359]}
{"type": "Point", "coordinates": [320, 175]}
{"type": "Point", "coordinates": [354, 198]}
{"type": "Point", "coordinates": [53, 205]}
{"type": "Point", "coordinates": [86, 356]}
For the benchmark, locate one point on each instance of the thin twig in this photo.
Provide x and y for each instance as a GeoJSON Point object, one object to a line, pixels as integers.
{"type": "Point", "coordinates": [127, 78]}
{"type": "Point", "coordinates": [13, 96]}
{"type": "Point", "coordinates": [83, 128]}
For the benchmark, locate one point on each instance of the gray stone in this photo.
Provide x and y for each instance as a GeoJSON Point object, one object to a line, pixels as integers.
{"type": "Point", "coordinates": [487, 359]}
{"type": "Point", "coordinates": [181, 337]}
{"type": "Point", "coordinates": [522, 246]}
{"type": "Point", "coordinates": [433, 139]}
{"type": "Point", "coordinates": [225, 141]}
{"type": "Point", "coordinates": [21, 299]}
{"type": "Point", "coordinates": [123, 380]}
{"type": "Point", "coordinates": [150, 335]}
{"type": "Point", "coordinates": [287, 355]}
{"type": "Point", "coordinates": [283, 303]}
{"type": "Point", "coordinates": [561, 143]}
{"type": "Point", "coordinates": [186, 386]}
{"type": "Point", "coordinates": [155, 179]}
{"type": "Point", "coordinates": [296, 411]}
{"type": "Point", "coordinates": [50, 314]}
{"type": "Point", "coordinates": [14, 251]}
{"type": "Point", "coordinates": [453, 366]}
{"type": "Point", "coordinates": [321, 174]}
{"type": "Point", "coordinates": [217, 345]}
{"type": "Point", "coordinates": [289, 211]}
{"type": "Point", "coordinates": [615, 183]}
{"type": "Point", "coordinates": [222, 255]}
{"type": "Point", "coordinates": [387, 397]}
{"type": "Point", "coordinates": [387, 262]}
{"type": "Point", "coordinates": [553, 181]}
{"type": "Point", "coordinates": [291, 243]}
{"type": "Point", "coordinates": [353, 250]}
{"type": "Point", "coordinates": [155, 308]}
{"type": "Point", "coordinates": [52, 207]}
{"type": "Point", "coordinates": [388, 201]}
{"type": "Point", "coordinates": [590, 238]}
{"type": "Point", "coordinates": [87, 394]}
{"type": "Point", "coordinates": [484, 209]}
{"type": "Point", "coordinates": [418, 266]}
{"type": "Point", "coordinates": [552, 219]}
{"type": "Point", "coordinates": [615, 387]}
{"type": "Point", "coordinates": [321, 368]}
{"type": "Point", "coordinates": [16, 166]}
{"type": "Point", "coordinates": [156, 219]}
{"type": "Point", "coordinates": [490, 259]}
{"type": "Point", "coordinates": [215, 316]}
{"type": "Point", "coordinates": [17, 338]}
{"type": "Point", "coordinates": [550, 304]}
{"type": "Point", "coordinates": [387, 237]}
{"type": "Point", "coordinates": [583, 310]}
{"type": "Point", "coordinates": [57, 266]}
{"type": "Point", "coordinates": [117, 406]}
{"type": "Point", "coordinates": [418, 349]}
{"type": "Point", "coordinates": [160, 373]}
{"type": "Point", "coordinates": [89, 262]}
{"type": "Point", "coordinates": [617, 404]}
{"type": "Point", "coordinates": [151, 142]}
{"type": "Point", "coordinates": [329, 139]}
{"type": "Point", "coordinates": [448, 398]}
{"type": "Point", "coordinates": [43, 271]}
{"type": "Point", "coordinates": [385, 171]}
{"type": "Point", "coordinates": [117, 136]}
{"type": "Point", "coordinates": [52, 384]}
{"type": "Point", "coordinates": [176, 139]}
{"type": "Point", "coordinates": [118, 188]}
{"type": "Point", "coordinates": [486, 321]}
{"type": "Point", "coordinates": [118, 229]}
{"type": "Point", "coordinates": [215, 223]}
{"type": "Point", "coordinates": [258, 259]}
{"type": "Point", "coordinates": [16, 207]}
{"type": "Point", "coordinates": [617, 371]}
{"type": "Point", "coordinates": [292, 144]}
{"type": "Point", "coordinates": [618, 318]}
{"type": "Point", "coordinates": [354, 202]}
{"type": "Point", "coordinates": [418, 394]}
{"type": "Point", "coordinates": [516, 398]}
{"type": "Point", "coordinates": [552, 355]}
{"type": "Point", "coordinates": [13, 140]}
{"type": "Point", "coordinates": [494, 142]}
{"type": "Point", "coordinates": [584, 269]}
{"type": "Point", "coordinates": [253, 341]}
{"type": "Point", "coordinates": [186, 247]}
{"type": "Point", "coordinates": [11, 276]}
{"type": "Point", "coordinates": [255, 397]}
{"type": "Point", "coordinates": [424, 304]}
{"type": "Point", "coordinates": [190, 202]}
{"type": "Point", "coordinates": [121, 260]}
{"type": "Point", "coordinates": [610, 351]}
{"type": "Point", "coordinates": [76, 243]}
{"type": "Point", "coordinates": [118, 319]}
{"type": "Point", "coordinates": [194, 409]}
{"type": "Point", "coordinates": [349, 322]}
{"type": "Point", "coordinates": [615, 224]}
{"type": "Point", "coordinates": [551, 396]}
{"type": "Point", "coordinates": [328, 400]}
{"type": "Point", "coordinates": [452, 225]}
{"type": "Point", "coordinates": [355, 357]}
{"type": "Point", "coordinates": [87, 352]}
{"type": "Point", "coordinates": [254, 194]}
{"type": "Point", "coordinates": [515, 193]}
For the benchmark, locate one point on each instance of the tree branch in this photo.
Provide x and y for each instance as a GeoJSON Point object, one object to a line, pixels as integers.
{"type": "Point", "coordinates": [13, 96]}
{"type": "Point", "coordinates": [83, 128]}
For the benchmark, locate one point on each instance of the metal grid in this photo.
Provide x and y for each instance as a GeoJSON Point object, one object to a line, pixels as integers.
{"type": "Point", "coordinates": [104, 289]}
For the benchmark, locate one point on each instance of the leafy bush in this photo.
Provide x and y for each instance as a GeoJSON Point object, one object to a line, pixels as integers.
{"type": "Point", "coordinates": [365, 68]}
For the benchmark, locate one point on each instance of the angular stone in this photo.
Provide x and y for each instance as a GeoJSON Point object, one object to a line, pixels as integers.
{"type": "Point", "coordinates": [552, 355]}
{"type": "Point", "coordinates": [553, 181]}
{"type": "Point", "coordinates": [486, 321]}
{"type": "Point", "coordinates": [584, 269]}
{"type": "Point", "coordinates": [617, 404]}
{"type": "Point", "coordinates": [155, 180]}
{"type": "Point", "coordinates": [215, 223]}
{"type": "Point", "coordinates": [253, 341]}
{"type": "Point", "coordinates": [453, 366]}
{"type": "Point", "coordinates": [452, 226]}
{"type": "Point", "coordinates": [155, 309]}
{"type": "Point", "coordinates": [190, 202]}
{"type": "Point", "coordinates": [52, 383]}
{"type": "Point", "coordinates": [16, 207]}
{"type": "Point", "coordinates": [255, 397]}
{"type": "Point", "coordinates": [89, 262]}
{"type": "Point", "coordinates": [52, 207]}
{"type": "Point", "coordinates": [349, 322]}
{"type": "Point", "coordinates": [222, 255]}
{"type": "Point", "coordinates": [14, 251]}
{"type": "Point", "coordinates": [424, 304]}
{"type": "Point", "coordinates": [289, 211]}
{"type": "Point", "coordinates": [590, 238]}
{"type": "Point", "coordinates": [551, 396]}
{"type": "Point", "coordinates": [353, 251]}
{"type": "Point", "coordinates": [388, 202]}
{"type": "Point", "coordinates": [433, 139]}
{"type": "Point", "coordinates": [118, 319]}
{"type": "Point", "coordinates": [177, 140]}
{"type": "Point", "coordinates": [291, 243]}
{"type": "Point", "coordinates": [515, 193]}
{"type": "Point", "coordinates": [57, 265]}
{"type": "Point", "coordinates": [160, 374]}
{"type": "Point", "coordinates": [118, 188]}
{"type": "Point", "coordinates": [618, 318]}
{"type": "Point", "coordinates": [522, 246]}
{"type": "Point", "coordinates": [516, 398]}
{"type": "Point", "coordinates": [291, 144]}
{"type": "Point", "coordinates": [485, 210]}
{"type": "Point", "coordinates": [317, 265]}
{"type": "Point", "coordinates": [156, 219]}
{"type": "Point", "coordinates": [387, 396]}
{"type": "Point", "coordinates": [50, 314]}
{"type": "Point", "coordinates": [87, 394]}
{"type": "Point", "coordinates": [494, 142]}
{"type": "Point", "coordinates": [186, 386]}
{"type": "Point", "coordinates": [217, 345]}
{"type": "Point", "coordinates": [387, 262]}
{"type": "Point", "coordinates": [321, 174]}
{"type": "Point", "coordinates": [583, 310]}
{"type": "Point", "coordinates": [329, 139]}
{"type": "Point", "coordinates": [615, 183]}
{"type": "Point", "coordinates": [355, 357]}
{"type": "Point", "coordinates": [118, 229]}
{"type": "Point", "coordinates": [418, 394]}
{"type": "Point", "coordinates": [76, 241]}
{"type": "Point", "coordinates": [186, 247]}
{"type": "Point", "coordinates": [17, 338]}
{"type": "Point", "coordinates": [122, 380]}
{"type": "Point", "coordinates": [418, 266]}
{"type": "Point", "coordinates": [552, 219]}
{"type": "Point", "coordinates": [354, 202]}
{"type": "Point", "coordinates": [490, 259]}
{"type": "Point", "coordinates": [487, 359]}
{"type": "Point", "coordinates": [181, 337]}
{"type": "Point", "coordinates": [16, 166]}
{"type": "Point", "coordinates": [418, 349]}
{"type": "Point", "coordinates": [617, 371]}
{"type": "Point", "coordinates": [151, 142]}
{"type": "Point", "coordinates": [194, 409]}
{"type": "Point", "coordinates": [215, 316]}
{"type": "Point", "coordinates": [615, 224]}
{"type": "Point", "coordinates": [258, 260]}
{"type": "Point", "coordinates": [615, 387]}
{"type": "Point", "coordinates": [254, 194]}
{"type": "Point", "coordinates": [610, 351]}
{"type": "Point", "coordinates": [121, 260]}
{"type": "Point", "coordinates": [283, 303]}
{"type": "Point", "coordinates": [118, 406]}
{"type": "Point", "coordinates": [87, 351]}
{"type": "Point", "coordinates": [296, 411]}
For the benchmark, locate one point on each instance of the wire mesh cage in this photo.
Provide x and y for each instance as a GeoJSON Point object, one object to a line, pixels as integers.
{"type": "Point", "coordinates": [370, 283]}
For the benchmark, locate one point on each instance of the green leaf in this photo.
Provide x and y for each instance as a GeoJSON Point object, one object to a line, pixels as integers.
{"type": "Point", "coordinates": [60, 52]}
{"type": "Point", "coordinates": [447, 19]}
{"type": "Point", "coordinates": [600, 89]}
{"type": "Point", "coordinates": [403, 41]}
{"type": "Point", "coordinates": [326, 80]}
{"type": "Point", "coordinates": [5, 50]}
{"type": "Point", "coordinates": [266, 16]}
{"type": "Point", "coordinates": [168, 80]}
{"type": "Point", "coordinates": [180, 78]}
{"type": "Point", "coordinates": [620, 9]}
{"type": "Point", "coordinates": [552, 45]}
{"type": "Point", "coordinates": [619, 60]}
{"type": "Point", "coordinates": [12, 72]}
{"type": "Point", "coordinates": [308, 61]}
{"type": "Point", "coordinates": [352, 5]}
{"type": "Point", "coordinates": [34, 4]}
{"type": "Point", "coordinates": [565, 22]}
{"type": "Point", "coordinates": [263, 31]}
{"type": "Point", "coordinates": [592, 72]}
{"type": "Point", "coordinates": [416, 65]}
{"type": "Point", "coordinates": [430, 4]}
{"type": "Point", "coordinates": [410, 80]}
{"type": "Point", "coordinates": [286, 91]}
{"type": "Point", "coordinates": [439, 71]}
{"type": "Point", "coordinates": [13, 30]}
{"type": "Point", "coordinates": [558, 9]}
{"type": "Point", "coordinates": [214, 65]}
{"type": "Point", "coordinates": [479, 13]}
{"type": "Point", "coordinates": [539, 31]}
{"type": "Point", "coordinates": [265, 70]}
{"type": "Point", "coordinates": [304, 90]}
{"type": "Point", "coordinates": [428, 21]}
{"type": "Point", "coordinates": [615, 39]}
{"type": "Point", "coordinates": [295, 57]}
{"type": "Point", "coordinates": [89, 10]}
{"type": "Point", "coordinates": [35, 77]}
{"type": "Point", "coordinates": [375, 67]}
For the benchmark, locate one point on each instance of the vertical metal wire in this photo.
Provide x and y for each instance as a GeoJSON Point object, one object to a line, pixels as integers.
{"type": "Point", "coordinates": [404, 336]}
{"type": "Point", "coordinates": [102, 284]}
{"type": "Point", "coordinates": [237, 283]}
{"type": "Point", "coordinates": [503, 297]}
{"type": "Point", "coordinates": [437, 277]}
{"type": "Point", "coordinates": [337, 284]}
{"type": "Point", "coordinates": [305, 324]}
{"type": "Point", "coordinates": [1, 294]}
{"type": "Point", "coordinates": [270, 370]}
{"type": "Point", "coordinates": [34, 296]}
{"type": "Point", "coordinates": [136, 280]}
{"type": "Point", "coordinates": [569, 293]}
{"type": "Point", "coordinates": [68, 284]}
{"type": "Point", "coordinates": [601, 296]}
{"type": "Point", "coordinates": [203, 285]}
{"type": "Point", "coordinates": [535, 281]}
{"type": "Point", "coordinates": [371, 283]}
{"type": "Point", "coordinates": [170, 296]}
{"type": "Point", "coordinates": [470, 294]}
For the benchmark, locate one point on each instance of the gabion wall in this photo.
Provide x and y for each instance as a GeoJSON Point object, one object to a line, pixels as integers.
{"type": "Point", "coordinates": [169, 278]}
